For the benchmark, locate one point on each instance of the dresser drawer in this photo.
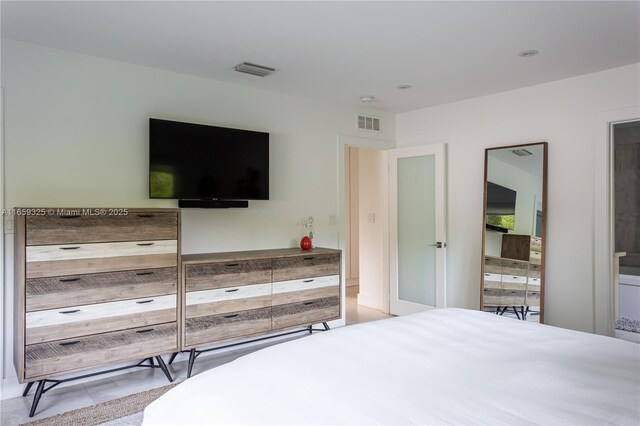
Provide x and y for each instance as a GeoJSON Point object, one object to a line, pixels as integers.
{"type": "Point", "coordinates": [514, 279]}
{"type": "Point", "coordinates": [514, 267]}
{"type": "Point", "coordinates": [64, 323]}
{"type": "Point", "coordinates": [492, 280]}
{"type": "Point", "coordinates": [70, 290]}
{"type": "Point", "coordinates": [215, 328]}
{"type": "Point", "coordinates": [76, 227]}
{"type": "Point", "coordinates": [224, 300]}
{"type": "Point", "coordinates": [56, 260]}
{"type": "Point", "coordinates": [207, 276]}
{"type": "Point", "coordinates": [533, 283]}
{"type": "Point", "coordinates": [535, 257]}
{"type": "Point", "coordinates": [503, 297]}
{"type": "Point", "coordinates": [534, 271]}
{"type": "Point", "coordinates": [312, 265]}
{"type": "Point", "coordinates": [533, 298]}
{"type": "Point", "coordinates": [45, 359]}
{"type": "Point", "coordinates": [306, 289]}
{"type": "Point", "coordinates": [492, 265]}
{"type": "Point", "coordinates": [306, 313]}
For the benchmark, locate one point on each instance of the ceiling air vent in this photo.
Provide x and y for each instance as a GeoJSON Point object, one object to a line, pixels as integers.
{"type": "Point", "coordinates": [254, 69]}
{"type": "Point", "coordinates": [368, 123]}
{"type": "Point", "coordinates": [521, 152]}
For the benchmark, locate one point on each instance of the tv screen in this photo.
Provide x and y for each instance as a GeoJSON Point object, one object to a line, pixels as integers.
{"type": "Point", "coordinates": [501, 207]}
{"type": "Point", "coordinates": [194, 161]}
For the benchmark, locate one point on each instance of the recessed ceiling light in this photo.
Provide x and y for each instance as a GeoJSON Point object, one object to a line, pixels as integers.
{"type": "Point", "coordinates": [403, 86]}
{"type": "Point", "coordinates": [366, 99]}
{"type": "Point", "coordinates": [528, 53]}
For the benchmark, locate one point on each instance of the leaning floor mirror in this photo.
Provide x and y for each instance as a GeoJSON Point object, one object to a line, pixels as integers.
{"type": "Point", "coordinates": [514, 222]}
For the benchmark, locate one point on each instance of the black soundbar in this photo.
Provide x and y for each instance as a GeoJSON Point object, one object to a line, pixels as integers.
{"type": "Point", "coordinates": [213, 204]}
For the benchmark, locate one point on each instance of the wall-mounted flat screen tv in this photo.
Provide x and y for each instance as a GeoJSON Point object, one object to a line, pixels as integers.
{"type": "Point", "coordinates": [194, 161]}
{"type": "Point", "coordinates": [501, 207]}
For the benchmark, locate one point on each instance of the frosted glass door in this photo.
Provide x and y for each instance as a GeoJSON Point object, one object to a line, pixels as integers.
{"type": "Point", "coordinates": [417, 228]}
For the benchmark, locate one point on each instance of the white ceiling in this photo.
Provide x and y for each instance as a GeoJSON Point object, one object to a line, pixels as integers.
{"type": "Point", "coordinates": [339, 51]}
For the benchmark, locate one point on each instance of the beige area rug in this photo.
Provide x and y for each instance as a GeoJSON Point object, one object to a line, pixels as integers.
{"type": "Point", "coordinates": [105, 411]}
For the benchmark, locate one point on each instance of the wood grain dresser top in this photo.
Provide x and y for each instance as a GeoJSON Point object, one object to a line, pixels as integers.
{"type": "Point", "coordinates": [254, 254]}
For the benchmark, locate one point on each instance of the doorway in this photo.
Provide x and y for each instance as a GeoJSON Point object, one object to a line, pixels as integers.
{"type": "Point", "coordinates": [365, 226]}
{"type": "Point", "coordinates": [625, 172]}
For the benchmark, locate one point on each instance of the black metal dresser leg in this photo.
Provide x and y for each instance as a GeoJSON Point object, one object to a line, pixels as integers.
{"type": "Point", "coordinates": [192, 359]}
{"type": "Point", "coordinates": [36, 398]}
{"type": "Point", "coordinates": [173, 356]}
{"type": "Point", "coordinates": [27, 389]}
{"type": "Point", "coordinates": [164, 368]}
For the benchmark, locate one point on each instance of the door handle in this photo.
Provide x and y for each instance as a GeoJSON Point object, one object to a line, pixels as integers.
{"type": "Point", "coordinates": [438, 245]}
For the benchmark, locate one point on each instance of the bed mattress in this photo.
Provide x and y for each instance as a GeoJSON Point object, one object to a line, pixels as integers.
{"type": "Point", "coordinates": [443, 366]}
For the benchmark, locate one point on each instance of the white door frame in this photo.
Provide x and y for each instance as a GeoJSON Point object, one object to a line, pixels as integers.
{"type": "Point", "coordinates": [603, 254]}
{"type": "Point", "coordinates": [2, 230]}
{"type": "Point", "coordinates": [377, 144]}
{"type": "Point", "coordinates": [439, 150]}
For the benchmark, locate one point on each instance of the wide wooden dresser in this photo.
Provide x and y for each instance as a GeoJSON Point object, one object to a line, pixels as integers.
{"type": "Point", "coordinates": [93, 287]}
{"type": "Point", "coordinates": [235, 295]}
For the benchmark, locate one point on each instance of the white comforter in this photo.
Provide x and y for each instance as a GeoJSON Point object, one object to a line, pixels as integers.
{"type": "Point", "coordinates": [441, 366]}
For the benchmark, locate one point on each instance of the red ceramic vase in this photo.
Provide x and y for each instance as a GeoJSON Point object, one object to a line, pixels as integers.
{"type": "Point", "coordinates": [305, 243]}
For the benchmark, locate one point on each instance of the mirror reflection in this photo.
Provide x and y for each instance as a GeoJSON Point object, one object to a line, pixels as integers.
{"type": "Point", "coordinates": [514, 212]}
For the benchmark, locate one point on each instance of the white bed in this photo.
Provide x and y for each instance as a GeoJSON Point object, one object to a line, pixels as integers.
{"type": "Point", "coordinates": [444, 366]}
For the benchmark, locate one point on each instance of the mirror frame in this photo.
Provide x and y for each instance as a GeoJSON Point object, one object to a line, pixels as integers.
{"type": "Point", "coordinates": [543, 232]}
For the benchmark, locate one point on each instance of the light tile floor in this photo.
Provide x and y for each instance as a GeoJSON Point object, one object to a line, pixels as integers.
{"type": "Point", "coordinates": [358, 313]}
{"type": "Point", "coordinates": [73, 396]}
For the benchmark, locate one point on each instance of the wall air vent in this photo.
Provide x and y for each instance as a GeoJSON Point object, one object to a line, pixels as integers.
{"type": "Point", "coordinates": [521, 152]}
{"type": "Point", "coordinates": [254, 69]}
{"type": "Point", "coordinates": [368, 123]}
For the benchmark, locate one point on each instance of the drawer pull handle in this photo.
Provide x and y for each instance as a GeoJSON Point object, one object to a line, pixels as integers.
{"type": "Point", "coordinates": [140, 302]}
{"type": "Point", "coordinates": [308, 258]}
{"type": "Point", "coordinates": [145, 273]}
{"type": "Point", "coordinates": [486, 275]}
{"type": "Point", "coordinates": [70, 312]}
{"type": "Point", "coordinates": [70, 216]}
{"type": "Point", "coordinates": [231, 316]}
{"type": "Point", "coordinates": [145, 244]}
{"type": "Point", "coordinates": [146, 216]}
{"type": "Point", "coordinates": [309, 303]}
{"type": "Point", "coordinates": [69, 248]}
{"type": "Point", "coordinates": [68, 280]}
{"type": "Point", "coordinates": [231, 291]}
{"type": "Point", "coordinates": [69, 343]}
{"type": "Point", "coordinates": [515, 277]}
{"type": "Point", "coordinates": [307, 281]}
{"type": "Point", "coordinates": [144, 331]}
{"type": "Point", "coordinates": [231, 265]}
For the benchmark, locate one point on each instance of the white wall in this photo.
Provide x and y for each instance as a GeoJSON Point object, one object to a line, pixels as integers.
{"type": "Point", "coordinates": [76, 135]}
{"type": "Point", "coordinates": [528, 189]}
{"type": "Point", "coordinates": [562, 113]}
{"type": "Point", "coordinates": [372, 214]}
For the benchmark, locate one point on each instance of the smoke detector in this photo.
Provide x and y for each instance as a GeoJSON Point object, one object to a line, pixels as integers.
{"type": "Point", "coordinates": [367, 99]}
{"type": "Point", "coordinates": [254, 69]}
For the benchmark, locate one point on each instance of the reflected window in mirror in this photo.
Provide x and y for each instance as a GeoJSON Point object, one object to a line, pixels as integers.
{"type": "Point", "coordinates": [512, 283]}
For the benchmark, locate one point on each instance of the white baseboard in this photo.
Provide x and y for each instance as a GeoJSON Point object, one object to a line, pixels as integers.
{"type": "Point", "coordinates": [10, 388]}
{"type": "Point", "coordinates": [370, 302]}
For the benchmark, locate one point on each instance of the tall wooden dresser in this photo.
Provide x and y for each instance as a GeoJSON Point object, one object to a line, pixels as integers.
{"type": "Point", "coordinates": [236, 295]}
{"type": "Point", "coordinates": [93, 287]}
